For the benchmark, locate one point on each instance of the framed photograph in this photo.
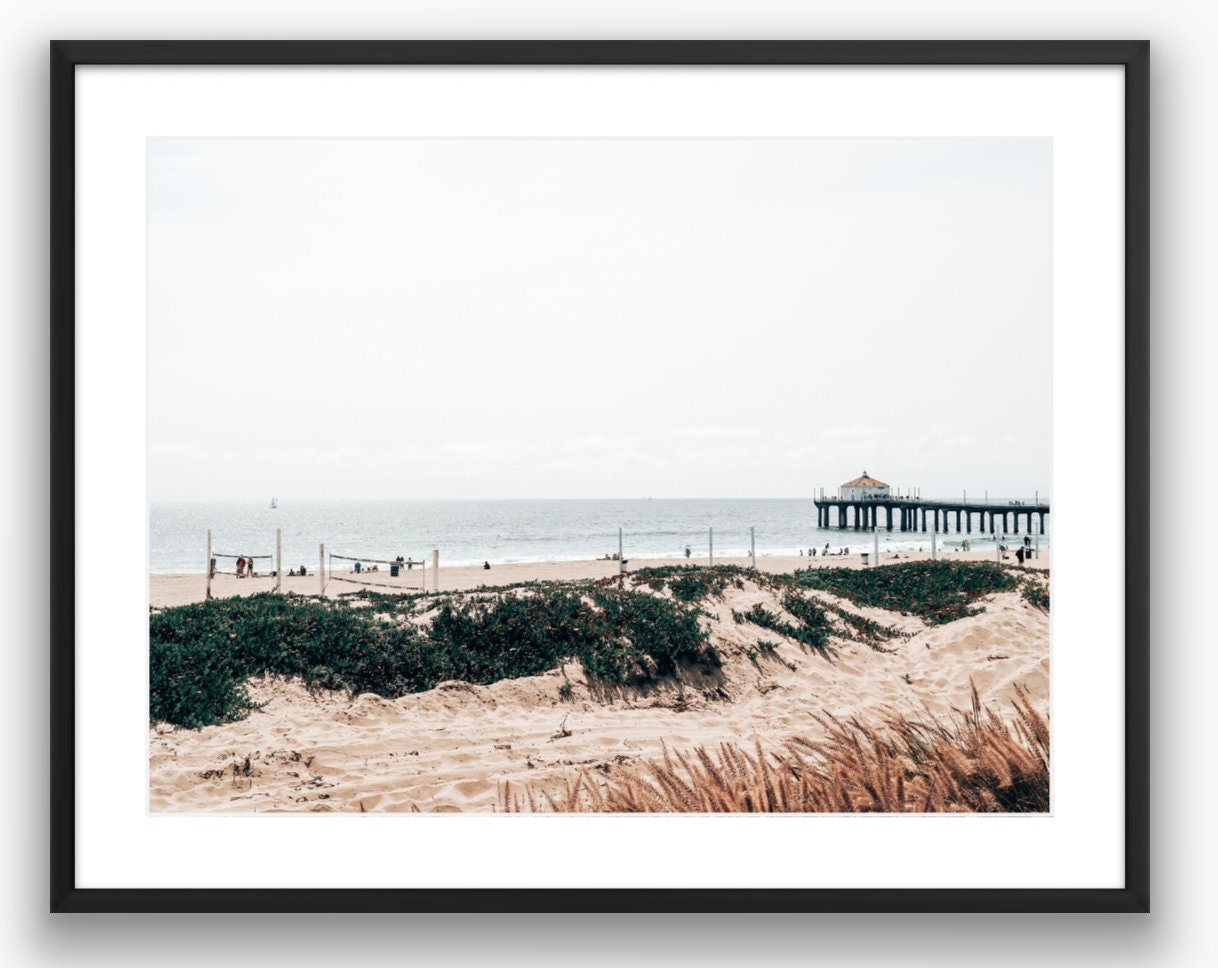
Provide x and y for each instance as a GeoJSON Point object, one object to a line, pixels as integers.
{"type": "Point", "coordinates": [599, 476]}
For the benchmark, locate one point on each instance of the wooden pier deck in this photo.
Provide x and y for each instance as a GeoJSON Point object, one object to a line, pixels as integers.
{"type": "Point", "coordinates": [917, 514]}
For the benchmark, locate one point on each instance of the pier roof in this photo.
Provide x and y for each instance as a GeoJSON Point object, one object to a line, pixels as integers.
{"type": "Point", "coordinates": [864, 481]}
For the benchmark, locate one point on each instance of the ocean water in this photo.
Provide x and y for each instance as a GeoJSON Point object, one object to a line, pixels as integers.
{"type": "Point", "coordinates": [470, 532]}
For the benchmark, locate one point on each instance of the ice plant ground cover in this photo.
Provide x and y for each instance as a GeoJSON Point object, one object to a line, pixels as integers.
{"type": "Point", "coordinates": [639, 629]}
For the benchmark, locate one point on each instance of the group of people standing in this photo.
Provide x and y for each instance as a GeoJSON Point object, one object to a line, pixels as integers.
{"type": "Point", "coordinates": [812, 551]}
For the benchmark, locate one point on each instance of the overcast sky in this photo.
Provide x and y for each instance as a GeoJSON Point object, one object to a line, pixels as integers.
{"type": "Point", "coordinates": [597, 318]}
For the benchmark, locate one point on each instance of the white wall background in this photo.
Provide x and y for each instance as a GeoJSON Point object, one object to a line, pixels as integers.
{"type": "Point", "coordinates": [1185, 83]}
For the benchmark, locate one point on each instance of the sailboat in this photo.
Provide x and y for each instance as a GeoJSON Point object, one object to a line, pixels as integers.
{"type": "Point", "coordinates": [274, 503]}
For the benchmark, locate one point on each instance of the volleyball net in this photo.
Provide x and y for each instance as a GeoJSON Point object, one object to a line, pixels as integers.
{"type": "Point", "coordinates": [243, 565]}
{"type": "Point", "coordinates": [393, 574]}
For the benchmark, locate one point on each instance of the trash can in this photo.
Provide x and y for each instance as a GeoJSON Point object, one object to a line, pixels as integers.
{"type": "Point", "coordinates": [357, 564]}
{"type": "Point", "coordinates": [393, 571]}
{"type": "Point", "coordinates": [864, 559]}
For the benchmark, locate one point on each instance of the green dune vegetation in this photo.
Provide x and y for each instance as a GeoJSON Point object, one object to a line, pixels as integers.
{"type": "Point", "coordinates": [936, 591]}
{"type": "Point", "coordinates": [637, 630]}
{"type": "Point", "coordinates": [202, 654]}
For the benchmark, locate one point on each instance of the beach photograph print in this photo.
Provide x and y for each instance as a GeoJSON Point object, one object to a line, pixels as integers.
{"type": "Point", "coordinates": [599, 475]}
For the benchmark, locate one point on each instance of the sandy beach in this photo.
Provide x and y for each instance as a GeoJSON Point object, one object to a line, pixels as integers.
{"type": "Point", "coordinates": [454, 747]}
{"type": "Point", "coordinates": [167, 590]}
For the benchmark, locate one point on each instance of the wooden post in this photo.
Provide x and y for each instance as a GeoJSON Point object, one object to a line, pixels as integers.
{"type": "Point", "coordinates": [621, 559]}
{"type": "Point", "coordinates": [209, 562]}
{"type": "Point", "coordinates": [278, 560]}
{"type": "Point", "coordinates": [934, 551]}
{"type": "Point", "coordinates": [712, 547]}
{"type": "Point", "coordinates": [321, 569]}
{"type": "Point", "coordinates": [753, 546]}
{"type": "Point", "coordinates": [435, 570]}
{"type": "Point", "coordinates": [876, 532]}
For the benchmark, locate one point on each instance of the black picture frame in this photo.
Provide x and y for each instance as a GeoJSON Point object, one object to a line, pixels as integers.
{"type": "Point", "coordinates": [65, 896]}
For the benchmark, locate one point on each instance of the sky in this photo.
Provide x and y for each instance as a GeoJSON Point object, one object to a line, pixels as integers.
{"type": "Point", "coordinates": [597, 318]}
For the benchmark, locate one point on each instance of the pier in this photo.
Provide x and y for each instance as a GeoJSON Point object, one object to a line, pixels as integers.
{"type": "Point", "coordinates": [916, 514]}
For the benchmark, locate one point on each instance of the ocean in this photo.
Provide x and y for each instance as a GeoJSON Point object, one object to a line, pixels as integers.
{"type": "Point", "coordinates": [502, 532]}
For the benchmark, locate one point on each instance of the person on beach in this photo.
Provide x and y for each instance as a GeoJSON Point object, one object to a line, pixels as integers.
{"type": "Point", "coordinates": [240, 567]}
{"type": "Point", "coordinates": [1019, 554]}
{"type": "Point", "coordinates": [302, 571]}
{"type": "Point", "coordinates": [687, 552]}
{"type": "Point", "coordinates": [291, 572]}
{"type": "Point", "coordinates": [486, 565]}
{"type": "Point", "coordinates": [249, 567]}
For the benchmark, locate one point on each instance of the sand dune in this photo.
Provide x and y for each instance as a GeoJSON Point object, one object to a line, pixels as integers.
{"type": "Point", "coordinates": [451, 749]}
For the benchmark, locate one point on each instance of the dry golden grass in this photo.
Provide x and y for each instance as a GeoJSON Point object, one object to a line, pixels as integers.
{"type": "Point", "coordinates": [977, 761]}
